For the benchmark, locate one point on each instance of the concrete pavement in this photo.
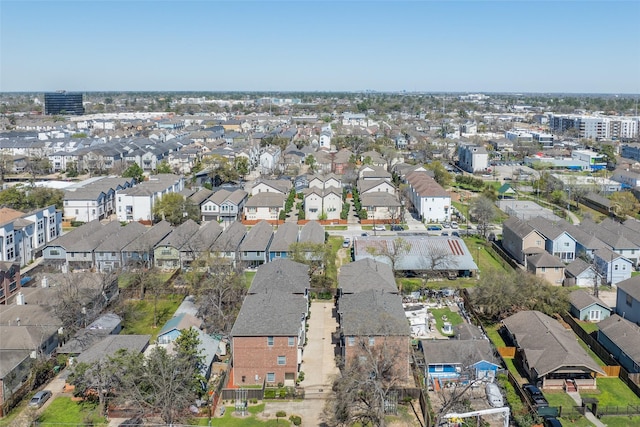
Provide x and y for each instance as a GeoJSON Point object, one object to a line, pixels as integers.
{"type": "Point", "coordinates": [318, 365]}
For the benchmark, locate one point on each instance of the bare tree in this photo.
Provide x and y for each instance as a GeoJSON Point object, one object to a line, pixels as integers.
{"type": "Point", "coordinates": [393, 250]}
{"type": "Point", "coordinates": [484, 212]}
{"type": "Point", "coordinates": [437, 262]}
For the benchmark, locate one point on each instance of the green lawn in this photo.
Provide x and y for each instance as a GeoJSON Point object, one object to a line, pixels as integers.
{"type": "Point", "coordinates": [588, 326]}
{"type": "Point", "coordinates": [331, 270]}
{"type": "Point", "coordinates": [64, 410]}
{"type": "Point", "coordinates": [613, 392]}
{"type": "Point", "coordinates": [452, 317]}
{"type": "Point", "coordinates": [409, 284]}
{"type": "Point", "coordinates": [248, 277]}
{"type": "Point", "coordinates": [230, 420]}
{"type": "Point", "coordinates": [336, 227]}
{"type": "Point", "coordinates": [485, 257]}
{"type": "Point", "coordinates": [494, 335]}
{"type": "Point", "coordinates": [621, 421]}
{"type": "Point", "coordinates": [571, 417]}
{"type": "Point", "coordinates": [138, 317]}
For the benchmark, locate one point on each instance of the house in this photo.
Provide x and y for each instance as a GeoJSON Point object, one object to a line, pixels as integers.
{"type": "Point", "coordinates": [112, 344]}
{"type": "Point", "coordinates": [373, 173]}
{"type": "Point", "coordinates": [621, 338]}
{"type": "Point", "coordinates": [197, 248]}
{"type": "Point", "coordinates": [546, 266]}
{"type": "Point", "coordinates": [372, 186]}
{"type": "Point", "coordinates": [383, 207]}
{"type": "Point", "coordinates": [174, 327]}
{"type": "Point", "coordinates": [227, 244]}
{"type": "Point", "coordinates": [264, 206]}
{"type": "Point", "coordinates": [550, 353]}
{"type": "Point", "coordinates": [80, 253]}
{"type": "Point", "coordinates": [584, 306]}
{"type": "Point", "coordinates": [580, 273]}
{"type": "Point", "coordinates": [612, 266]}
{"type": "Point", "coordinates": [139, 253]}
{"type": "Point", "coordinates": [10, 282]}
{"type": "Point", "coordinates": [371, 319]}
{"type": "Point", "coordinates": [268, 335]}
{"type": "Point", "coordinates": [166, 254]}
{"type": "Point", "coordinates": [430, 201]}
{"type": "Point", "coordinates": [281, 186]}
{"type": "Point", "coordinates": [458, 360]}
{"type": "Point", "coordinates": [628, 299]}
{"type": "Point", "coordinates": [107, 324]}
{"type": "Point", "coordinates": [323, 203]}
{"type": "Point", "coordinates": [626, 177]}
{"type": "Point", "coordinates": [284, 237]}
{"type": "Point", "coordinates": [254, 249]}
{"type": "Point", "coordinates": [324, 181]}
{"type": "Point", "coordinates": [431, 255]}
{"type": "Point", "coordinates": [136, 203]}
{"type": "Point", "coordinates": [269, 159]}
{"type": "Point", "coordinates": [312, 232]}
{"type": "Point", "coordinates": [472, 158]}
{"type": "Point", "coordinates": [558, 242]}
{"type": "Point", "coordinates": [108, 254]}
{"type": "Point", "coordinates": [614, 235]}
{"type": "Point", "coordinates": [341, 161]}
{"type": "Point", "coordinates": [519, 239]}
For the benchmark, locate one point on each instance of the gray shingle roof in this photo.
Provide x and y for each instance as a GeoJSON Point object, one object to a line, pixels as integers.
{"type": "Point", "coordinates": [520, 228]}
{"type": "Point", "coordinates": [258, 238]}
{"type": "Point", "coordinates": [285, 235]}
{"type": "Point", "coordinates": [544, 259]}
{"type": "Point", "coordinates": [379, 199]}
{"type": "Point", "coordinates": [122, 237]}
{"type": "Point", "coordinates": [372, 313]}
{"type": "Point", "coordinates": [631, 286]}
{"type": "Point", "coordinates": [68, 239]}
{"type": "Point", "coordinates": [581, 299]}
{"type": "Point", "coordinates": [89, 242]}
{"type": "Point", "coordinates": [270, 199]}
{"type": "Point", "coordinates": [111, 344]}
{"type": "Point", "coordinates": [204, 238]}
{"type": "Point", "coordinates": [270, 314]}
{"type": "Point", "coordinates": [150, 238]}
{"type": "Point", "coordinates": [312, 232]}
{"type": "Point", "coordinates": [624, 334]}
{"type": "Point", "coordinates": [547, 345]}
{"type": "Point", "coordinates": [577, 267]}
{"type": "Point", "coordinates": [180, 235]}
{"type": "Point", "coordinates": [424, 185]}
{"type": "Point", "coordinates": [281, 275]}
{"type": "Point", "coordinates": [466, 352]}
{"type": "Point", "coordinates": [546, 227]}
{"type": "Point", "coordinates": [366, 274]}
{"type": "Point", "coordinates": [230, 239]}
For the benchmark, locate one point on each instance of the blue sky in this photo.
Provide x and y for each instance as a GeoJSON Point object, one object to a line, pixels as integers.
{"type": "Point", "coordinates": [483, 46]}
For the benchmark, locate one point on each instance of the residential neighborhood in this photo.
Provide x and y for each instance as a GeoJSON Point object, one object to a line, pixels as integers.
{"type": "Point", "coordinates": [309, 256]}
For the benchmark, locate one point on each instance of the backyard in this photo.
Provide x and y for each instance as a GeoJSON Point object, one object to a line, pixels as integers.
{"type": "Point", "coordinates": [139, 314]}
{"type": "Point", "coordinates": [63, 410]}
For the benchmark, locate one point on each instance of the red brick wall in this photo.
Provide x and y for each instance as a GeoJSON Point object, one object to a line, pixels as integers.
{"type": "Point", "coordinates": [252, 356]}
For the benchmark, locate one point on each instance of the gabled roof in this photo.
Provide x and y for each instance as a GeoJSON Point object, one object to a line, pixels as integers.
{"type": "Point", "coordinates": [180, 235]}
{"type": "Point", "coordinates": [281, 275]}
{"type": "Point", "coordinates": [122, 237]}
{"type": "Point", "coordinates": [180, 322]}
{"type": "Point", "coordinates": [624, 334]}
{"type": "Point", "coordinates": [581, 299]}
{"type": "Point", "coordinates": [285, 235]}
{"type": "Point", "coordinates": [366, 185]}
{"type": "Point", "coordinates": [270, 314]}
{"type": "Point", "coordinates": [631, 287]}
{"type": "Point", "coordinates": [204, 237]}
{"type": "Point", "coordinates": [452, 351]}
{"type": "Point", "coordinates": [200, 196]}
{"type": "Point", "coordinates": [147, 241]}
{"type": "Point", "coordinates": [113, 343]}
{"type": "Point", "coordinates": [379, 198]}
{"type": "Point", "coordinates": [366, 274]}
{"type": "Point", "coordinates": [425, 186]}
{"type": "Point", "coordinates": [577, 267]}
{"type": "Point", "coordinates": [312, 232]}
{"type": "Point", "coordinates": [607, 255]}
{"type": "Point", "coordinates": [547, 345]}
{"type": "Point", "coordinates": [281, 185]}
{"type": "Point", "coordinates": [230, 239]}
{"type": "Point", "coordinates": [506, 188]}
{"type": "Point", "coordinates": [544, 259]}
{"type": "Point", "coordinates": [258, 238]}
{"type": "Point", "coordinates": [519, 228]}
{"type": "Point", "coordinates": [90, 242]}
{"type": "Point", "coordinates": [219, 196]}
{"type": "Point", "coordinates": [85, 230]}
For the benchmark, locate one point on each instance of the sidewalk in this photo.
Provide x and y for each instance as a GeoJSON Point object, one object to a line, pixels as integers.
{"type": "Point", "coordinates": [592, 418]}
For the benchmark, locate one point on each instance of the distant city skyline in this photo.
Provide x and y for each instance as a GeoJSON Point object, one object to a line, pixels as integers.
{"type": "Point", "coordinates": [287, 46]}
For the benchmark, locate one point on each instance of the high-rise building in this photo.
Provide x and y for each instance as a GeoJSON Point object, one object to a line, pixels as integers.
{"type": "Point", "coordinates": [63, 102]}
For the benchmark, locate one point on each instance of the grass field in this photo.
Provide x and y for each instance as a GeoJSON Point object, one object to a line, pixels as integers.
{"type": "Point", "coordinates": [494, 335]}
{"type": "Point", "coordinates": [613, 392]}
{"type": "Point", "coordinates": [139, 317]}
{"type": "Point", "coordinates": [248, 277]}
{"type": "Point", "coordinates": [452, 317]}
{"type": "Point", "coordinates": [230, 420]}
{"type": "Point", "coordinates": [64, 410]}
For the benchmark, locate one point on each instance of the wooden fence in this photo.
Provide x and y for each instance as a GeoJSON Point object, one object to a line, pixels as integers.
{"type": "Point", "coordinates": [507, 352]}
{"type": "Point", "coordinates": [505, 256]}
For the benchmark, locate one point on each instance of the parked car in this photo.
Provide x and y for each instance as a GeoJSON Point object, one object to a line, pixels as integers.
{"type": "Point", "coordinates": [379, 228]}
{"type": "Point", "coordinates": [455, 233]}
{"type": "Point", "coordinates": [536, 396]}
{"type": "Point", "coordinates": [493, 395]}
{"type": "Point", "coordinates": [347, 242]}
{"type": "Point", "coordinates": [446, 225]}
{"type": "Point", "coordinates": [397, 227]}
{"type": "Point", "coordinates": [364, 234]}
{"type": "Point", "coordinates": [39, 398]}
{"type": "Point", "coordinates": [444, 233]}
{"type": "Point", "coordinates": [434, 228]}
{"type": "Point", "coordinates": [454, 225]}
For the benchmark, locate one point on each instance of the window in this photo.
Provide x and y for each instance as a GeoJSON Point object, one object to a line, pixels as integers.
{"type": "Point", "coordinates": [629, 300]}
{"type": "Point", "coordinates": [54, 252]}
{"type": "Point", "coordinates": [372, 341]}
{"type": "Point", "coordinates": [543, 269]}
{"type": "Point", "coordinates": [292, 341]}
{"type": "Point", "coordinates": [269, 341]}
{"type": "Point", "coordinates": [615, 267]}
{"type": "Point", "coordinates": [566, 244]}
{"type": "Point", "coordinates": [351, 341]}
{"type": "Point", "coordinates": [271, 377]}
{"type": "Point", "coordinates": [594, 315]}
{"type": "Point", "coordinates": [438, 368]}
{"type": "Point", "coordinates": [282, 360]}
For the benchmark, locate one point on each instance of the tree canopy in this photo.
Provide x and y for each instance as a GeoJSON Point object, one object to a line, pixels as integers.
{"type": "Point", "coordinates": [134, 171]}
{"type": "Point", "coordinates": [176, 209]}
{"type": "Point", "coordinates": [27, 198]}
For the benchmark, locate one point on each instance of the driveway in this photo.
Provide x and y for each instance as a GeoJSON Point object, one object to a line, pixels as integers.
{"type": "Point", "coordinates": [318, 365]}
{"type": "Point", "coordinates": [56, 386]}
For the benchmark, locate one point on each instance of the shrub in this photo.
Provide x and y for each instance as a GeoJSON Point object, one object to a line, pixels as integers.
{"type": "Point", "coordinates": [282, 215]}
{"type": "Point", "coordinates": [295, 420]}
{"type": "Point", "coordinates": [281, 414]}
{"type": "Point", "coordinates": [270, 393]}
{"type": "Point", "coordinates": [301, 376]}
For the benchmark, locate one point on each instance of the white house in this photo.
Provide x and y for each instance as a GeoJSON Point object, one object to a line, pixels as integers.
{"type": "Point", "coordinates": [264, 206]}
{"type": "Point", "coordinates": [429, 199]}
{"type": "Point", "coordinates": [280, 186]}
{"type": "Point", "coordinates": [472, 158]}
{"type": "Point", "coordinates": [269, 159]}
{"type": "Point", "coordinates": [612, 266]}
{"type": "Point", "coordinates": [376, 186]}
{"type": "Point", "coordinates": [136, 203]}
{"type": "Point", "coordinates": [322, 203]}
